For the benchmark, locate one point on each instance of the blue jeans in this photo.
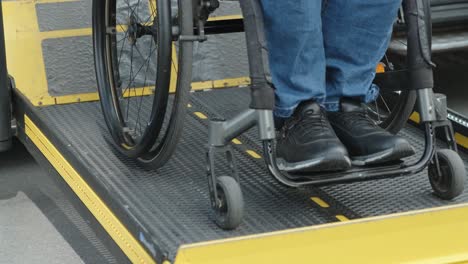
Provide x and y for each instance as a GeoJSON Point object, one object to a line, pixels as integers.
{"type": "Point", "coordinates": [326, 50]}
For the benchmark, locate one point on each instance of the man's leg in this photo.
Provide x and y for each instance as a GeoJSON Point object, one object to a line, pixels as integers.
{"type": "Point", "coordinates": [356, 35]}
{"type": "Point", "coordinates": [297, 61]}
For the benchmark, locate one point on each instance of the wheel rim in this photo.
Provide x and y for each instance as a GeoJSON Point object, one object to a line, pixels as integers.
{"type": "Point", "coordinates": [138, 57]}
{"type": "Point", "coordinates": [441, 182]}
{"type": "Point", "coordinates": [221, 205]}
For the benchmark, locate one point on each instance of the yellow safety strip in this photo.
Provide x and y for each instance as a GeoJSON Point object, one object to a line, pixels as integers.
{"type": "Point", "coordinates": [253, 154]}
{"type": "Point", "coordinates": [236, 141]}
{"type": "Point", "coordinates": [119, 233]}
{"type": "Point", "coordinates": [342, 218]}
{"type": "Point", "coordinates": [200, 115]}
{"type": "Point", "coordinates": [228, 17]}
{"type": "Point", "coordinates": [320, 202]}
{"type": "Point", "coordinates": [437, 235]}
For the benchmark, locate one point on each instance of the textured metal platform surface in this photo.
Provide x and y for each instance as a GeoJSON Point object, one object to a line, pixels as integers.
{"type": "Point", "coordinates": [172, 204]}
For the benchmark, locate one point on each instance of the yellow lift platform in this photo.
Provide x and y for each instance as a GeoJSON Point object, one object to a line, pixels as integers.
{"type": "Point", "coordinates": [164, 216]}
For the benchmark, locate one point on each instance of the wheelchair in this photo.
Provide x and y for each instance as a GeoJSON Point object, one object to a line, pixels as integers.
{"type": "Point", "coordinates": [143, 52]}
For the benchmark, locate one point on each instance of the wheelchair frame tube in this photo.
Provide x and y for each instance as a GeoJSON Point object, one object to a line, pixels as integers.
{"type": "Point", "coordinates": [220, 132]}
{"type": "Point", "coordinates": [322, 179]}
{"type": "Point", "coordinates": [5, 111]}
{"type": "Point", "coordinates": [262, 94]}
{"type": "Point", "coordinates": [417, 15]}
{"type": "Point", "coordinates": [419, 31]}
{"type": "Point", "coordinates": [421, 76]}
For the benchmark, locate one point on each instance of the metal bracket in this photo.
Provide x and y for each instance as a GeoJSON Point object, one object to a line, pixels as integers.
{"type": "Point", "coordinates": [212, 153]}
{"type": "Point", "coordinates": [199, 36]}
{"type": "Point", "coordinates": [220, 132]}
{"type": "Point", "coordinates": [448, 133]}
{"type": "Point", "coordinates": [440, 106]}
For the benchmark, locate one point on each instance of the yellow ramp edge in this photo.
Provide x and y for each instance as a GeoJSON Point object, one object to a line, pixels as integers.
{"type": "Point", "coordinates": [129, 245]}
{"type": "Point", "coordinates": [429, 236]}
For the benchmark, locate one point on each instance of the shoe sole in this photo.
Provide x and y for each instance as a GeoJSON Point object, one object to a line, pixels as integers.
{"type": "Point", "coordinates": [389, 155]}
{"type": "Point", "coordinates": [331, 162]}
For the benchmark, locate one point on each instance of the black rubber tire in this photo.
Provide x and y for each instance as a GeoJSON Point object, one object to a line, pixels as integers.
{"type": "Point", "coordinates": [230, 215]}
{"type": "Point", "coordinates": [107, 75]}
{"type": "Point", "coordinates": [161, 153]}
{"type": "Point", "coordinates": [451, 183]}
{"type": "Point", "coordinates": [401, 104]}
{"type": "Point", "coordinates": [157, 143]}
{"type": "Point", "coordinates": [401, 112]}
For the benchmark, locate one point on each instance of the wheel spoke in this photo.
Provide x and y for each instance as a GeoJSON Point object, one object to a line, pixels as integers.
{"type": "Point", "coordinates": [385, 103]}
{"type": "Point", "coordinates": [131, 71]}
{"type": "Point", "coordinates": [378, 112]}
{"type": "Point", "coordinates": [143, 91]}
{"type": "Point", "coordinates": [121, 48]}
{"type": "Point", "coordinates": [141, 67]}
{"type": "Point", "coordinates": [153, 9]}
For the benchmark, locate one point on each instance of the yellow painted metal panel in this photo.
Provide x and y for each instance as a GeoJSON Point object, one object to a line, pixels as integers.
{"type": "Point", "coordinates": [119, 233]}
{"type": "Point", "coordinates": [204, 85]}
{"type": "Point", "coordinates": [66, 33]}
{"type": "Point", "coordinates": [428, 236]}
{"type": "Point", "coordinates": [24, 51]}
{"type": "Point", "coordinates": [26, 63]}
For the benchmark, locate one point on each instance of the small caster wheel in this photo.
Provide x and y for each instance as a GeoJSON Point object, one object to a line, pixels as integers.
{"type": "Point", "coordinates": [230, 203]}
{"type": "Point", "coordinates": [450, 183]}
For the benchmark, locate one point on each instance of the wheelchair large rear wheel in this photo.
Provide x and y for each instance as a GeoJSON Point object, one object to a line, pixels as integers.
{"type": "Point", "coordinates": [136, 45]}
{"type": "Point", "coordinates": [392, 109]}
{"type": "Point", "coordinates": [395, 103]}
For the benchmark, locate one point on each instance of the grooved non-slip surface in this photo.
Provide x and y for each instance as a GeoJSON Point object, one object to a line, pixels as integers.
{"type": "Point", "coordinates": [172, 204]}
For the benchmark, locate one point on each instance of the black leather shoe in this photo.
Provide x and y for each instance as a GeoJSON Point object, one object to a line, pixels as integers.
{"type": "Point", "coordinates": [367, 143]}
{"type": "Point", "coordinates": [307, 142]}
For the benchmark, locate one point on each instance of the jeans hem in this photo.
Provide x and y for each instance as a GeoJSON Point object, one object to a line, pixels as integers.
{"type": "Point", "coordinates": [284, 112]}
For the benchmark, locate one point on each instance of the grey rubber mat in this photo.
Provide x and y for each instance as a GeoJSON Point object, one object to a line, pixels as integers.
{"type": "Point", "coordinates": [77, 14]}
{"type": "Point", "coordinates": [64, 15]}
{"type": "Point", "coordinates": [172, 204]}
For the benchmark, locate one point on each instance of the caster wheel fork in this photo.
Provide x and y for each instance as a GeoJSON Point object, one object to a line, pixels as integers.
{"type": "Point", "coordinates": [226, 197]}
